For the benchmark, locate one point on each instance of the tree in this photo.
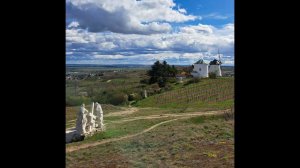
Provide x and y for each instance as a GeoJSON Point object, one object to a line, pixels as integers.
{"type": "Point", "coordinates": [160, 72]}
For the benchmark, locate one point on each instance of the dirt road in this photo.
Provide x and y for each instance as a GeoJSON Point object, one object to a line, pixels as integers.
{"type": "Point", "coordinates": [180, 116]}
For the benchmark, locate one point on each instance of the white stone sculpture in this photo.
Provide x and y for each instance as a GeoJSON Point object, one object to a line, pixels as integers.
{"type": "Point", "coordinates": [90, 122]}
{"type": "Point", "coordinates": [99, 117]}
{"type": "Point", "coordinates": [87, 123]}
{"type": "Point", "coordinates": [81, 120]}
{"type": "Point", "coordinates": [92, 108]}
{"type": "Point", "coordinates": [145, 94]}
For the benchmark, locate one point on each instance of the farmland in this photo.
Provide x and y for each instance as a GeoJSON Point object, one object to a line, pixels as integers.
{"type": "Point", "coordinates": [186, 124]}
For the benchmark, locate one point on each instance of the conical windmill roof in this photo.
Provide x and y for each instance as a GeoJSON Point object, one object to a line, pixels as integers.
{"type": "Point", "coordinates": [215, 62]}
{"type": "Point", "coordinates": [200, 62]}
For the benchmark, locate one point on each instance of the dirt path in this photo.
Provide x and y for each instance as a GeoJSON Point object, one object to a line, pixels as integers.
{"type": "Point", "coordinates": [125, 112]}
{"type": "Point", "coordinates": [181, 116]}
{"type": "Point", "coordinates": [166, 115]}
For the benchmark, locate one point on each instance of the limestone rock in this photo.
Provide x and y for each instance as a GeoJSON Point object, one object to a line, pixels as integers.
{"type": "Point", "coordinates": [81, 121]}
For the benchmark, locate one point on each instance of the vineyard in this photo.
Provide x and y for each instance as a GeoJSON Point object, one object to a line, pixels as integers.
{"type": "Point", "coordinates": [216, 90]}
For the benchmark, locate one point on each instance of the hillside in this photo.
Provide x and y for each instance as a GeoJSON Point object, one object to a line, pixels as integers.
{"type": "Point", "coordinates": [206, 93]}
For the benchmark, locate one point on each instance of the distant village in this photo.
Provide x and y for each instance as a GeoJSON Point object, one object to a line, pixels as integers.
{"type": "Point", "coordinates": [81, 76]}
{"type": "Point", "coordinates": [199, 69]}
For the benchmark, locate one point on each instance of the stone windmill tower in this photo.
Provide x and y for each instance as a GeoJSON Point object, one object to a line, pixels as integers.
{"type": "Point", "coordinates": [215, 66]}
{"type": "Point", "coordinates": [200, 69]}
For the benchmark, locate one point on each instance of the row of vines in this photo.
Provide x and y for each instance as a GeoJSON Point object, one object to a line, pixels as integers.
{"type": "Point", "coordinates": [211, 92]}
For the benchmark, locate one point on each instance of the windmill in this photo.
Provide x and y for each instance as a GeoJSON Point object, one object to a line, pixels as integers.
{"type": "Point", "coordinates": [215, 66]}
{"type": "Point", "coordinates": [219, 57]}
{"type": "Point", "coordinates": [220, 62]}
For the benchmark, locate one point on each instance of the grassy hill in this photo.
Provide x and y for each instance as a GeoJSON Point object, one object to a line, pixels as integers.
{"type": "Point", "coordinates": [206, 93]}
{"type": "Point", "coordinates": [182, 126]}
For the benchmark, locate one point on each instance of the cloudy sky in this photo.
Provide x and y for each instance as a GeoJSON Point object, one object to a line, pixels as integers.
{"type": "Point", "coordinates": [143, 31]}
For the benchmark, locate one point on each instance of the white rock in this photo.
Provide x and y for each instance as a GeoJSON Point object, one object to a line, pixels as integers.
{"type": "Point", "coordinates": [99, 117]}
{"type": "Point", "coordinates": [81, 121]}
{"type": "Point", "coordinates": [90, 122]}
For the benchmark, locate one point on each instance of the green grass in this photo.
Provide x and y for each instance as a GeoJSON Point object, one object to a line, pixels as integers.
{"type": "Point", "coordinates": [206, 93]}
{"type": "Point", "coordinates": [189, 107]}
{"type": "Point", "coordinates": [114, 130]}
{"type": "Point", "coordinates": [197, 120]}
{"type": "Point", "coordinates": [204, 141]}
{"type": "Point", "coordinates": [193, 142]}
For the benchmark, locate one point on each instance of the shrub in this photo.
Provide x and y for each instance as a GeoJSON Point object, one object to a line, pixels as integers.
{"type": "Point", "coordinates": [229, 115]}
{"type": "Point", "coordinates": [168, 87]}
{"type": "Point", "coordinates": [118, 99]}
{"type": "Point", "coordinates": [193, 80]}
{"type": "Point", "coordinates": [144, 81]}
{"type": "Point", "coordinates": [134, 96]}
{"type": "Point", "coordinates": [141, 86]}
{"type": "Point", "coordinates": [162, 82]}
{"type": "Point", "coordinates": [171, 80]}
{"type": "Point", "coordinates": [212, 75]}
{"type": "Point", "coordinates": [77, 100]}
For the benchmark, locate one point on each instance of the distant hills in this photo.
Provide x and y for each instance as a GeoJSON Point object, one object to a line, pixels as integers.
{"type": "Point", "coordinates": [116, 65]}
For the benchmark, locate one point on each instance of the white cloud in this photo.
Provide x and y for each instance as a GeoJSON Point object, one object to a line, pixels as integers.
{"type": "Point", "coordinates": [215, 16]}
{"type": "Point", "coordinates": [126, 16]}
{"type": "Point", "coordinates": [73, 24]}
{"type": "Point", "coordinates": [203, 38]}
{"type": "Point", "coordinates": [107, 45]}
{"type": "Point", "coordinates": [117, 56]}
{"type": "Point", "coordinates": [181, 10]}
{"type": "Point", "coordinates": [169, 56]}
{"type": "Point", "coordinates": [200, 28]}
{"type": "Point", "coordinates": [187, 45]}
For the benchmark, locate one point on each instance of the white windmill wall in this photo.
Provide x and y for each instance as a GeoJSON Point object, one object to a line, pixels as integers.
{"type": "Point", "coordinates": [215, 69]}
{"type": "Point", "coordinates": [201, 69]}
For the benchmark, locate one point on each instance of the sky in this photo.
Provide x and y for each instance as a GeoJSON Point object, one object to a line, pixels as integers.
{"type": "Point", "coordinates": [144, 31]}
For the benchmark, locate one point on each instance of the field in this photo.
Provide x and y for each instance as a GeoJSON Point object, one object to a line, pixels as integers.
{"type": "Point", "coordinates": [187, 125]}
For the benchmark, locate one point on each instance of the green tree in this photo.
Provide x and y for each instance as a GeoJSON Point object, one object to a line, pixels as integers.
{"type": "Point", "coordinates": [160, 72]}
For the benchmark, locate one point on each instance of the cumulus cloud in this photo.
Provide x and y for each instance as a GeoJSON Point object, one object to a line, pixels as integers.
{"type": "Point", "coordinates": [185, 46]}
{"type": "Point", "coordinates": [103, 31]}
{"type": "Point", "coordinates": [110, 57]}
{"type": "Point", "coordinates": [169, 56]}
{"type": "Point", "coordinates": [197, 29]}
{"type": "Point", "coordinates": [126, 16]}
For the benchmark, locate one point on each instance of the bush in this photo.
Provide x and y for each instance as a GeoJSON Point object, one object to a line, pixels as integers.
{"type": "Point", "coordinates": [168, 87]}
{"type": "Point", "coordinates": [77, 100]}
{"type": "Point", "coordinates": [134, 96]}
{"type": "Point", "coordinates": [118, 99]}
{"type": "Point", "coordinates": [193, 80]}
{"type": "Point", "coordinates": [162, 82]}
{"type": "Point", "coordinates": [141, 86]}
{"type": "Point", "coordinates": [212, 75]}
{"type": "Point", "coordinates": [171, 80]}
{"type": "Point", "coordinates": [144, 81]}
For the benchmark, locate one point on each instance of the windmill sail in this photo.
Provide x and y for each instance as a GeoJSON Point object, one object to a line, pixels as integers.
{"type": "Point", "coordinates": [219, 57]}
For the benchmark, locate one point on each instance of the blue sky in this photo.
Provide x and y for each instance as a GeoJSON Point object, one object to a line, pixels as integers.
{"type": "Point", "coordinates": [141, 32]}
{"type": "Point", "coordinates": [214, 12]}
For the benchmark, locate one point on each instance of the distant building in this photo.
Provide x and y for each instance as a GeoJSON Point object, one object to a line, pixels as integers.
{"type": "Point", "coordinates": [181, 76]}
{"type": "Point", "coordinates": [215, 67]}
{"type": "Point", "coordinates": [200, 69]}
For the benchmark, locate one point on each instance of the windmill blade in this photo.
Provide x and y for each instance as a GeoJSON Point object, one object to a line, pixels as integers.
{"type": "Point", "coordinates": [219, 56]}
